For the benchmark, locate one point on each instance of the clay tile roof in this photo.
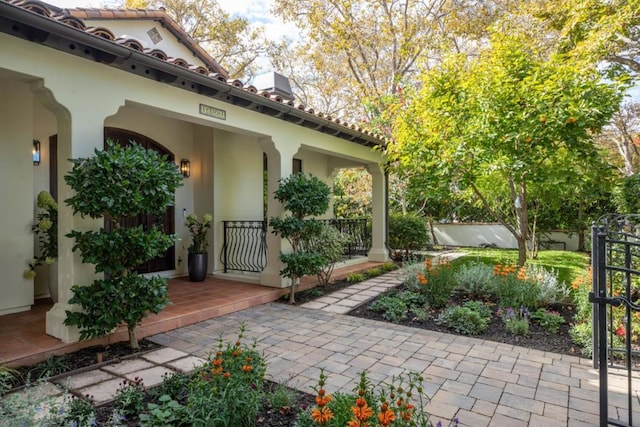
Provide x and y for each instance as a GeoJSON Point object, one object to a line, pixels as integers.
{"type": "Point", "coordinates": [156, 53]}
{"type": "Point", "coordinates": [76, 18]}
{"type": "Point", "coordinates": [101, 32]}
{"type": "Point", "coordinates": [130, 43]}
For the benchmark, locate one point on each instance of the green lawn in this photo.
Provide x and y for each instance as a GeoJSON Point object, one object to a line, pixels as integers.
{"type": "Point", "coordinates": [569, 265]}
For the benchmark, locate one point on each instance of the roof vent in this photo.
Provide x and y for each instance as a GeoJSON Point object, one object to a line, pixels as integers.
{"type": "Point", "coordinates": [275, 84]}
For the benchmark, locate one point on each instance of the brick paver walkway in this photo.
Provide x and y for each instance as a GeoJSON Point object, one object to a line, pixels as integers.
{"type": "Point", "coordinates": [482, 383]}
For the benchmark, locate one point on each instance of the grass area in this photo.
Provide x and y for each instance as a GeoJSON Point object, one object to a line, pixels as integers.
{"type": "Point", "coordinates": [569, 265]}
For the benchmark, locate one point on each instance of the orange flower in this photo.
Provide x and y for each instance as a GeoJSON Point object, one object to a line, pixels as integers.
{"type": "Point", "coordinates": [362, 411]}
{"type": "Point", "coordinates": [422, 279]}
{"type": "Point", "coordinates": [217, 362]}
{"type": "Point", "coordinates": [357, 423]}
{"type": "Point", "coordinates": [247, 368]}
{"type": "Point", "coordinates": [237, 352]}
{"type": "Point", "coordinates": [323, 400]}
{"type": "Point", "coordinates": [386, 417]}
{"type": "Point", "coordinates": [321, 415]}
{"type": "Point", "coordinates": [227, 374]}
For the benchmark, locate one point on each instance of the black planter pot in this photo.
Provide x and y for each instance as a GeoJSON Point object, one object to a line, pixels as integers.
{"type": "Point", "coordinates": [197, 265]}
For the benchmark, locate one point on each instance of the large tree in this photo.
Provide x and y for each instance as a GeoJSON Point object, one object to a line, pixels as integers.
{"type": "Point", "coordinates": [505, 115]}
{"type": "Point", "coordinates": [364, 49]}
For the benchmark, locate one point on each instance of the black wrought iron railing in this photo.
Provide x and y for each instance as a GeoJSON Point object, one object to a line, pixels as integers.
{"type": "Point", "coordinates": [357, 231]}
{"type": "Point", "coordinates": [245, 246]}
{"type": "Point", "coordinates": [245, 242]}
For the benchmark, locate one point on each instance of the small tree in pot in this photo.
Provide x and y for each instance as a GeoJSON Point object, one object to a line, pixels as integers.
{"type": "Point", "coordinates": [303, 196]}
{"type": "Point", "coordinates": [119, 183]}
{"type": "Point", "coordinates": [197, 261]}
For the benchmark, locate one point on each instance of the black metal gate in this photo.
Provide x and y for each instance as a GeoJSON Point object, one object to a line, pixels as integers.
{"type": "Point", "coordinates": [616, 298]}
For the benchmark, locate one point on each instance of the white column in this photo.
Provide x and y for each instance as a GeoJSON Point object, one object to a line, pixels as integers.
{"type": "Point", "coordinates": [80, 132]}
{"type": "Point", "coordinates": [279, 165]}
{"type": "Point", "coordinates": [378, 252]}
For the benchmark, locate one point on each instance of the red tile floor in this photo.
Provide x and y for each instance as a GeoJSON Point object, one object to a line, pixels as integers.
{"type": "Point", "coordinates": [23, 339]}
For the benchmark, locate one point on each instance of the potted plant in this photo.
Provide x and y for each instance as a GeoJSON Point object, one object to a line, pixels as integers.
{"type": "Point", "coordinates": [46, 231]}
{"type": "Point", "coordinates": [197, 258]}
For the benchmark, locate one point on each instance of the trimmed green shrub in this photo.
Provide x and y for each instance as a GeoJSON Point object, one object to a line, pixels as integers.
{"type": "Point", "coordinates": [407, 233]}
{"type": "Point", "coordinates": [463, 320]}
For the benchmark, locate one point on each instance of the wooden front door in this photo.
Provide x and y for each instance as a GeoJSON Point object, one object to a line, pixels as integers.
{"type": "Point", "coordinates": [167, 221]}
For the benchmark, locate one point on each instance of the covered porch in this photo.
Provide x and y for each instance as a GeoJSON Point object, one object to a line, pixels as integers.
{"type": "Point", "coordinates": [24, 340]}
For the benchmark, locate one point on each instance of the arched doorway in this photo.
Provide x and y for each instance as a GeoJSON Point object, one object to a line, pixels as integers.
{"type": "Point", "coordinates": [167, 221]}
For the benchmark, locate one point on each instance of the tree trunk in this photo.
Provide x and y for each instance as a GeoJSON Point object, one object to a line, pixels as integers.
{"type": "Point", "coordinates": [292, 294]}
{"type": "Point", "coordinates": [133, 341]}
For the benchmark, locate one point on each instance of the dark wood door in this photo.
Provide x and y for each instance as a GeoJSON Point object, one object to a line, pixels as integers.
{"type": "Point", "coordinates": [167, 221]}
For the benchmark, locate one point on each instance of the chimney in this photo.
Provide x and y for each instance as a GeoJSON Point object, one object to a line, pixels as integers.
{"type": "Point", "coordinates": [275, 84]}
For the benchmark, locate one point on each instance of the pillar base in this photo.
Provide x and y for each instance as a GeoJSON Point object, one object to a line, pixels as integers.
{"type": "Point", "coordinates": [273, 280]}
{"type": "Point", "coordinates": [55, 324]}
{"type": "Point", "coordinates": [378, 255]}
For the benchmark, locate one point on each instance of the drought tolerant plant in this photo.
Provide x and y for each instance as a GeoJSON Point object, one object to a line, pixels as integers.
{"type": "Point", "coordinates": [392, 307]}
{"type": "Point", "coordinates": [355, 277]}
{"type": "Point", "coordinates": [549, 320]}
{"type": "Point", "coordinates": [436, 282]}
{"type": "Point", "coordinates": [399, 403]}
{"type": "Point", "coordinates": [463, 320]}
{"type": "Point", "coordinates": [167, 412]}
{"type": "Point", "coordinates": [227, 390]}
{"type": "Point", "coordinates": [55, 365]}
{"type": "Point", "coordinates": [515, 321]}
{"type": "Point", "coordinates": [551, 289]}
{"type": "Point", "coordinates": [129, 397]}
{"type": "Point", "coordinates": [475, 279]}
{"type": "Point", "coordinates": [512, 288]}
{"type": "Point", "coordinates": [303, 196]}
{"type": "Point", "coordinates": [115, 184]}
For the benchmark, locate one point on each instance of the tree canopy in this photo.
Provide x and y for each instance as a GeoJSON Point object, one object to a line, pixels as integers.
{"type": "Point", "coordinates": [501, 120]}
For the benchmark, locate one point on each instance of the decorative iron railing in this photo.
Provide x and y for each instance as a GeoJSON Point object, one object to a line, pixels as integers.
{"type": "Point", "coordinates": [245, 246]}
{"type": "Point", "coordinates": [358, 232]}
{"type": "Point", "coordinates": [245, 242]}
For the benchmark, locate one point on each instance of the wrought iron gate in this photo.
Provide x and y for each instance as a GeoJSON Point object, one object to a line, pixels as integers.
{"type": "Point", "coordinates": [616, 297]}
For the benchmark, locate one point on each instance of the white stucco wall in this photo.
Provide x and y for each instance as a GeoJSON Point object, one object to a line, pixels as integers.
{"type": "Point", "coordinates": [16, 188]}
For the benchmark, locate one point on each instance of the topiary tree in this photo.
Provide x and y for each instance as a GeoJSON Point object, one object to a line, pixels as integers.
{"type": "Point", "coordinates": [118, 183]}
{"type": "Point", "coordinates": [407, 233]}
{"type": "Point", "coordinates": [303, 196]}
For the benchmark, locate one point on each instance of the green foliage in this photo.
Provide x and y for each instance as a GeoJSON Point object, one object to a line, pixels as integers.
{"type": "Point", "coordinates": [118, 183]}
{"type": "Point", "coordinates": [174, 385]}
{"type": "Point", "coordinates": [511, 289]}
{"type": "Point", "coordinates": [167, 412]}
{"type": "Point", "coordinates": [463, 320]}
{"type": "Point", "coordinates": [281, 397]}
{"type": "Point", "coordinates": [515, 321]}
{"type": "Point", "coordinates": [373, 271]}
{"type": "Point", "coordinates": [549, 320]}
{"type": "Point", "coordinates": [582, 335]}
{"type": "Point", "coordinates": [627, 195]}
{"type": "Point", "coordinates": [392, 307]}
{"type": "Point", "coordinates": [302, 196]}
{"type": "Point", "coordinates": [352, 193]}
{"type": "Point", "coordinates": [9, 377]}
{"type": "Point", "coordinates": [355, 277]}
{"type": "Point", "coordinates": [54, 365]}
{"type": "Point", "coordinates": [129, 397]}
{"type": "Point", "coordinates": [198, 230]}
{"type": "Point", "coordinates": [80, 412]}
{"type": "Point", "coordinates": [46, 231]}
{"type": "Point", "coordinates": [407, 233]}
{"type": "Point", "coordinates": [122, 182]}
{"type": "Point", "coordinates": [475, 278]}
{"type": "Point", "coordinates": [136, 245]}
{"type": "Point", "coordinates": [227, 389]}
{"type": "Point", "coordinates": [329, 244]}
{"type": "Point", "coordinates": [480, 307]}
{"type": "Point", "coordinates": [389, 266]}
{"type": "Point", "coordinates": [130, 298]}
{"type": "Point", "coordinates": [436, 283]}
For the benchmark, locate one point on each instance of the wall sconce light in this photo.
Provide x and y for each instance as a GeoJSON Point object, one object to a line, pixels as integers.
{"type": "Point", "coordinates": [36, 152]}
{"type": "Point", "coordinates": [185, 168]}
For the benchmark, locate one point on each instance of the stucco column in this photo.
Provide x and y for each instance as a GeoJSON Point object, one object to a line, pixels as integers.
{"type": "Point", "coordinates": [279, 165]}
{"type": "Point", "coordinates": [378, 252]}
{"type": "Point", "coordinates": [80, 132]}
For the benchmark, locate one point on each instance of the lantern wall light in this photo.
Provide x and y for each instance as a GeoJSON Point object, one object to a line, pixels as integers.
{"type": "Point", "coordinates": [36, 152]}
{"type": "Point", "coordinates": [185, 168]}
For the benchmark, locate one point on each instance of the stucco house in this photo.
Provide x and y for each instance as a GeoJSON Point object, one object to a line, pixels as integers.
{"type": "Point", "coordinates": [70, 78]}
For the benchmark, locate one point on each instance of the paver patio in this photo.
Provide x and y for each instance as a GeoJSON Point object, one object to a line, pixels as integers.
{"type": "Point", "coordinates": [482, 383]}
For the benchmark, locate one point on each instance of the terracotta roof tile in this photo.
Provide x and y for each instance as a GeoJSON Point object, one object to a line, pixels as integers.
{"type": "Point", "coordinates": [75, 17]}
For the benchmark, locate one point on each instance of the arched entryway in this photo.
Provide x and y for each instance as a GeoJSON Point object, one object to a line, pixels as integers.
{"type": "Point", "coordinates": [167, 221]}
